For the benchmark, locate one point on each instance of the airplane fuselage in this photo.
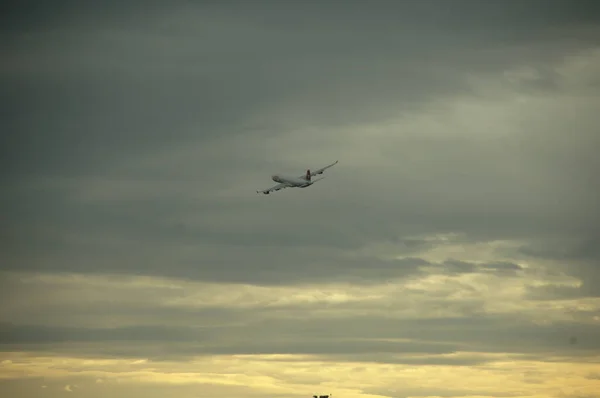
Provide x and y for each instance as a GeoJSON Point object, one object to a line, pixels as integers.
{"type": "Point", "coordinates": [292, 181]}
{"type": "Point", "coordinates": [303, 181]}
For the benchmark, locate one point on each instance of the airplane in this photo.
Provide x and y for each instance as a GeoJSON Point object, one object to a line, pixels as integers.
{"type": "Point", "coordinates": [296, 182]}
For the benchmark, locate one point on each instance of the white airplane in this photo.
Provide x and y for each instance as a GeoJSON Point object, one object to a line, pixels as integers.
{"type": "Point", "coordinates": [296, 182]}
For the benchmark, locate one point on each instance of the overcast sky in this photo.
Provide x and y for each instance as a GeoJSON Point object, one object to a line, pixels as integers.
{"type": "Point", "coordinates": [454, 251]}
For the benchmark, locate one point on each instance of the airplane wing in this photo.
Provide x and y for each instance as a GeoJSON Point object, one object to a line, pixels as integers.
{"type": "Point", "coordinates": [272, 189]}
{"type": "Point", "coordinates": [321, 170]}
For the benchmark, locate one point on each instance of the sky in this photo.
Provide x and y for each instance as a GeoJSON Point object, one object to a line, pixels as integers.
{"type": "Point", "coordinates": [454, 250]}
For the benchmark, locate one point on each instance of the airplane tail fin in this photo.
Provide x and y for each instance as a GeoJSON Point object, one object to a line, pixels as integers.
{"type": "Point", "coordinates": [307, 175]}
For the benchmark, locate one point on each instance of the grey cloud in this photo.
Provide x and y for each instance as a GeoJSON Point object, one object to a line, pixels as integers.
{"type": "Point", "coordinates": [96, 215]}
{"type": "Point", "coordinates": [205, 342]}
{"type": "Point", "coordinates": [236, 265]}
{"type": "Point", "coordinates": [328, 346]}
{"type": "Point", "coordinates": [578, 257]}
{"type": "Point", "coordinates": [452, 266]}
{"type": "Point", "coordinates": [456, 266]}
{"type": "Point", "coordinates": [115, 89]}
{"type": "Point", "coordinates": [554, 292]}
{"type": "Point", "coordinates": [10, 334]}
{"type": "Point", "coordinates": [482, 333]}
{"type": "Point", "coordinates": [588, 287]}
{"type": "Point", "coordinates": [134, 135]}
{"type": "Point", "coordinates": [269, 256]}
{"type": "Point", "coordinates": [586, 249]}
{"type": "Point", "coordinates": [502, 268]}
{"type": "Point", "coordinates": [349, 339]}
{"type": "Point", "coordinates": [410, 358]}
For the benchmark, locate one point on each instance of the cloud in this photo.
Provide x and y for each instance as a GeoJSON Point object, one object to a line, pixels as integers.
{"type": "Point", "coordinates": [454, 244]}
{"type": "Point", "coordinates": [299, 378]}
{"type": "Point", "coordinates": [429, 313]}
